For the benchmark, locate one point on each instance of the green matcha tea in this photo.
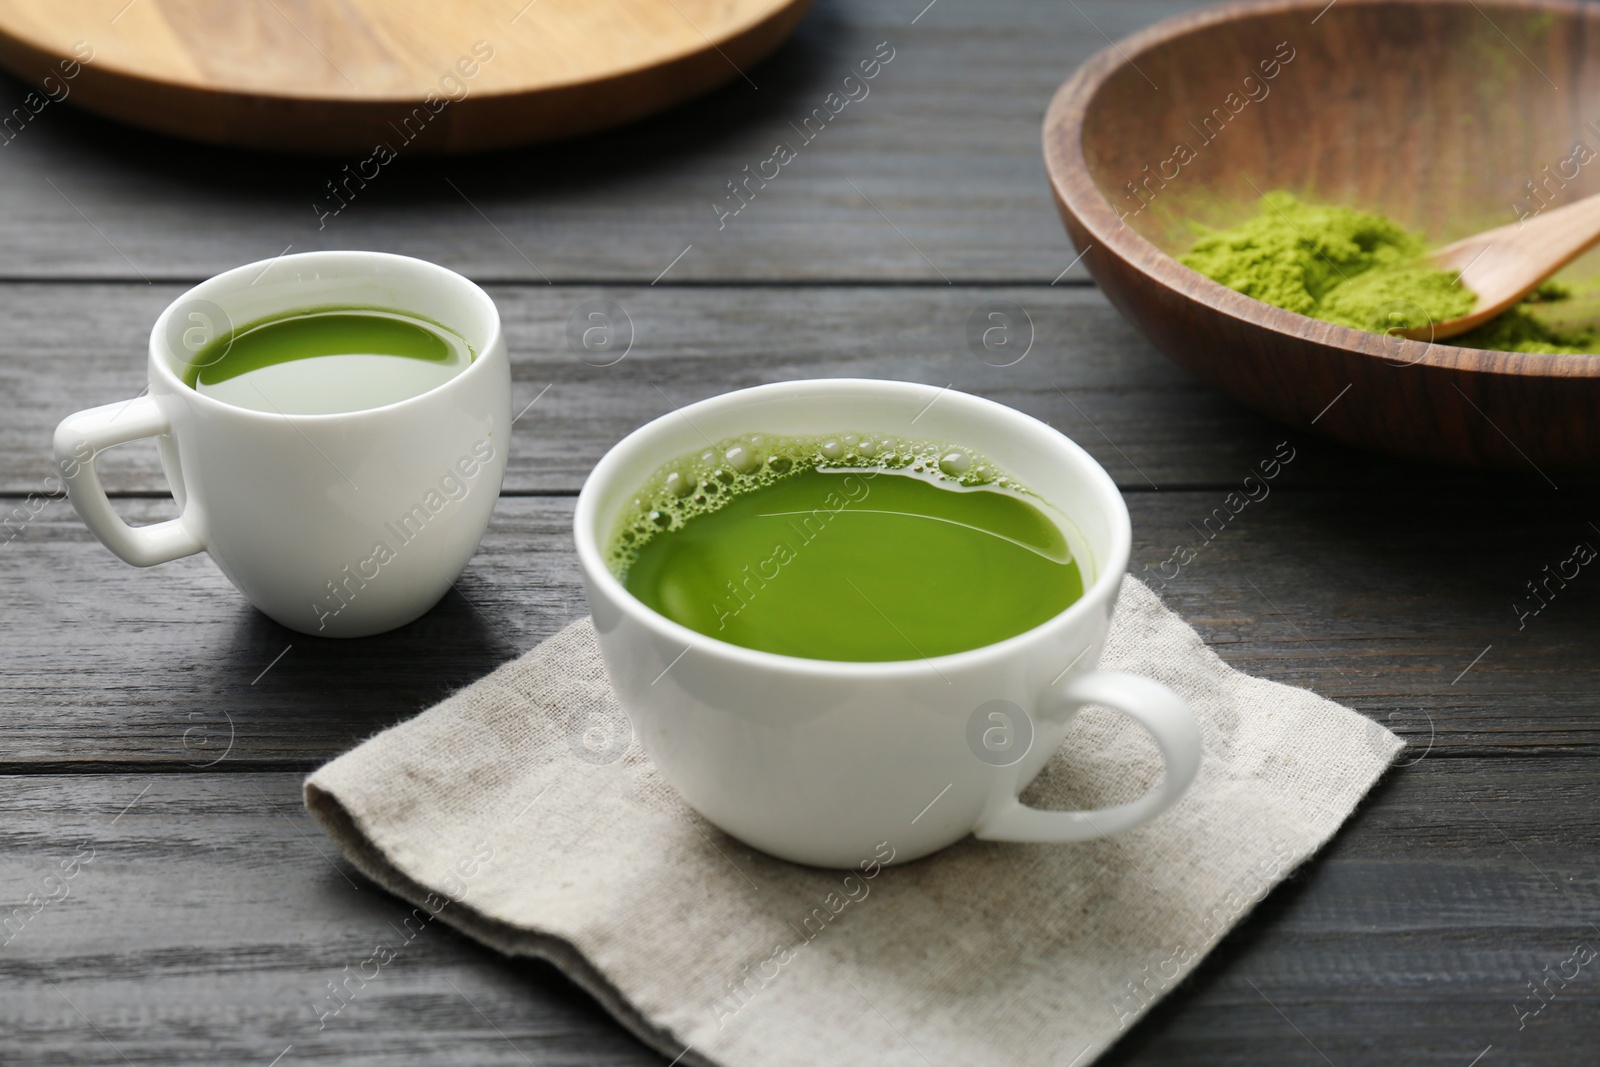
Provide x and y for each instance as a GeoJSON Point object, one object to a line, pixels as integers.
{"type": "Point", "coordinates": [324, 361]}
{"type": "Point", "coordinates": [845, 548]}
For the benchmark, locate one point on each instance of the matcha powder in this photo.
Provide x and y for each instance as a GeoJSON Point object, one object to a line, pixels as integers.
{"type": "Point", "coordinates": [1357, 269]}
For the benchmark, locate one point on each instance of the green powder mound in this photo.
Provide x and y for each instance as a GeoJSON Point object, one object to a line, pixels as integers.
{"type": "Point", "coordinates": [1293, 254]}
{"type": "Point", "coordinates": [1517, 330]}
{"type": "Point", "coordinates": [1403, 296]}
{"type": "Point", "coordinates": [1358, 269]}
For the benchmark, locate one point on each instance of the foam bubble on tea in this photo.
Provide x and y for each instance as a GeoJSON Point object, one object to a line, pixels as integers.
{"type": "Point", "coordinates": [847, 546]}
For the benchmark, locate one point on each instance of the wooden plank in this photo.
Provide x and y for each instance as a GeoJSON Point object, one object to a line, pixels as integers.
{"type": "Point", "coordinates": [189, 682]}
{"type": "Point", "coordinates": [1388, 602]}
{"type": "Point", "coordinates": [945, 142]}
{"type": "Point", "coordinates": [1088, 373]}
{"type": "Point", "coordinates": [1411, 938]}
{"type": "Point", "coordinates": [213, 912]}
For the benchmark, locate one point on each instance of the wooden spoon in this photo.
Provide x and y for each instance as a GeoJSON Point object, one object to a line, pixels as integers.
{"type": "Point", "coordinates": [1506, 264]}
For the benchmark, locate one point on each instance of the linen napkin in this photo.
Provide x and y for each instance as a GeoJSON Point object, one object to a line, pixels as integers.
{"type": "Point", "coordinates": [522, 811]}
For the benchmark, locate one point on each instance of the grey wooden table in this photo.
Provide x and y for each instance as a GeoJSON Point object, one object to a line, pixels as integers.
{"type": "Point", "coordinates": [154, 723]}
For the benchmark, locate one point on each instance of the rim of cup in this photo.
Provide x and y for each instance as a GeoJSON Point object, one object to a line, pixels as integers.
{"type": "Point", "coordinates": [598, 488]}
{"type": "Point", "coordinates": [336, 263]}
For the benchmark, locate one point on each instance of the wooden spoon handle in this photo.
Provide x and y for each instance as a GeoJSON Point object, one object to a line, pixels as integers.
{"type": "Point", "coordinates": [1501, 265]}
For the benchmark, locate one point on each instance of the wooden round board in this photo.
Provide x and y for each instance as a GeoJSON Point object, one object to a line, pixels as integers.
{"type": "Point", "coordinates": [347, 76]}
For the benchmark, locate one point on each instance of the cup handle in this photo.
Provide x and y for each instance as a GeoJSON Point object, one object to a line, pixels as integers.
{"type": "Point", "coordinates": [1156, 708]}
{"type": "Point", "coordinates": [100, 428]}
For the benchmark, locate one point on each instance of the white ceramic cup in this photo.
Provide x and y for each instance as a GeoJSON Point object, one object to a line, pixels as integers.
{"type": "Point", "coordinates": [338, 525]}
{"type": "Point", "coordinates": [820, 762]}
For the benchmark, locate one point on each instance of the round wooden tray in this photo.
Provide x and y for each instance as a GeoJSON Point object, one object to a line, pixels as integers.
{"type": "Point", "coordinates": [350, 76]}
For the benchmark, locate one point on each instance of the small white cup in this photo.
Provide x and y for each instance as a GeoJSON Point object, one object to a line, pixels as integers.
{"type": "Point", "coordinates": [337, 525]}
{"type": "Point", "coordinates": [819, 762]}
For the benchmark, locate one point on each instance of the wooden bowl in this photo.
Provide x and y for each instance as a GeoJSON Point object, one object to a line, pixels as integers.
{"type": "Point", "coordinates": [1437, 113]}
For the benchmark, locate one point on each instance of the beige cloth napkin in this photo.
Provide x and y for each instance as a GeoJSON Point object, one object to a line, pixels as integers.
{"type": "Point", "coordinates": [521, 811]}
